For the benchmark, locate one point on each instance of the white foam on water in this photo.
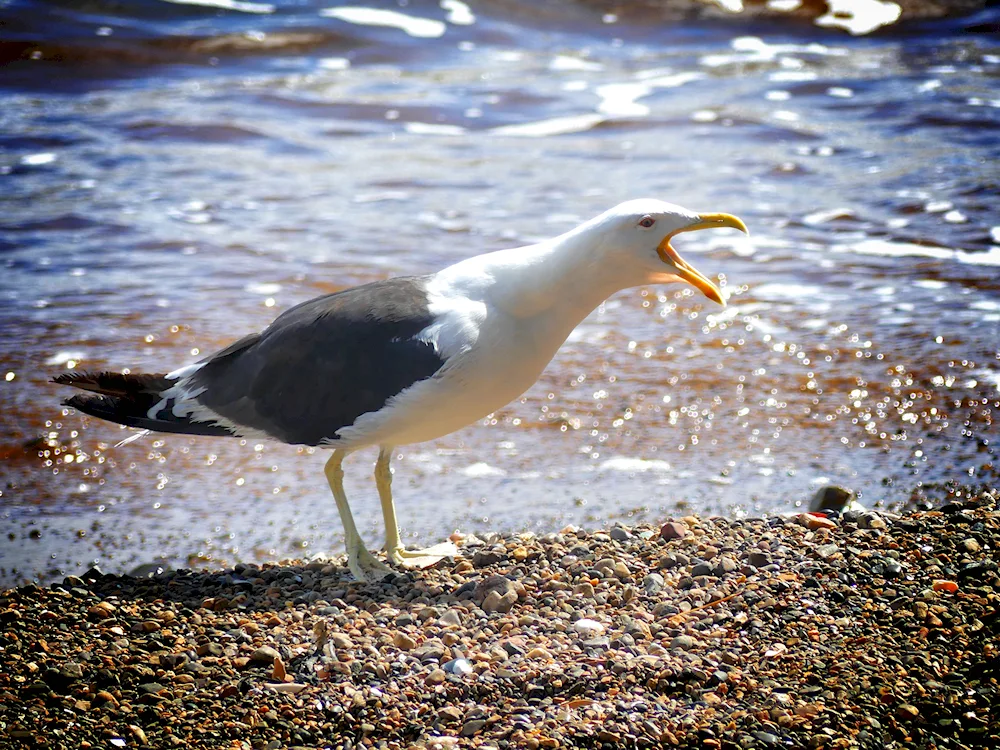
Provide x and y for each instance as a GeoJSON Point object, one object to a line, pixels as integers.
{"type": "Point", "coordinates": [892, 249]}
{"type": "Point", "coordinates": [552, 126]}
{"type": "Point", "coordinates": [859, 17]}
{"type": "Point", "coordinates": [823, 216]}
{"type": "Point", "coordinates": [334, 63]}
{"type": "Point", "coordinates": [382, 195]}
{"type": "Point", "coordinates": [262, 287]}
{"type": "Point", "coordinates": [726, 315]}
{"type": "Point", "coordinates": [421, 28]}
{"type": "Point", "coordinates": [739, 245]}
{"type": "Point", "coordinates": [988, 376]}
{"type": "Point", "coordinates": [565, 62]}
{"type": "Point", "coordinates": [634, 465]}
{"type": "Point", "coordinates": [622, 98]}
{"type": "Point", "coordinates": [989, 257]}
{"type": "Point", "coordinates": [458, 12]}
{"type": "Point", "coordinates": [37, 160]}
{"type": "Point", "coordinates": [754, 49]}
{"type": "Point", "coordinates": [779, 291]}
{"type": "Point", "coordinates": [895, 249]}
{"type": "Point", "coordinates": [794, 76]}
{"type": "Point", "coordinates": [61, 358]}
{"type": "Point", "coordinates": [587, 334]}
{"type": "Point", "coordinates": [481, 469]}
{"type": "Point", "coordinates": [238, 5]}
{"type": "Point", "coordinates": [430, 128]}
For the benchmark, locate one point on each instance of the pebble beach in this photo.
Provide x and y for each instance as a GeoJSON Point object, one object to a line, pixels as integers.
{"type": "Point", "coordinates": [839, 630]}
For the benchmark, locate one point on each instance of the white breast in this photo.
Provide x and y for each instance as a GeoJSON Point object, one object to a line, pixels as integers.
{"type": "Point", "coordinates": [480, 378]}
{"type": "Point", "coordinates": [492, 355]}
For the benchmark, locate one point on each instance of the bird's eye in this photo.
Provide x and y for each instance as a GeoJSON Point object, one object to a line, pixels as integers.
{"type": "Point", "coordinates": [646, 222]}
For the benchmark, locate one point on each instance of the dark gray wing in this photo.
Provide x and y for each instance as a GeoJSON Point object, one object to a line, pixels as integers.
{"type": "Point", "coordinates": [322, 364]}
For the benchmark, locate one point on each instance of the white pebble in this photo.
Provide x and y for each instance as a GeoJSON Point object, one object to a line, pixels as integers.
{"type": "Point", "coordinates": [588, 627]}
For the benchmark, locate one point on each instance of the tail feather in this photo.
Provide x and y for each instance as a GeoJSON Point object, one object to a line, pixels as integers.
{"type": "Point", "coordinates": [128, 400]}
{"type": "Point", "coordinates": [115, 383]}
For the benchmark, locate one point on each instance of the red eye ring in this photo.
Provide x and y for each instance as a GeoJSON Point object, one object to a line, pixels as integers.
{"type": "Point", "coordinates": [646, 222]}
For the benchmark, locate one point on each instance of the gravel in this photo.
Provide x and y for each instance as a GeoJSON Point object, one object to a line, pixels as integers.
{"type": "Point", "coordinates": [868, 630]}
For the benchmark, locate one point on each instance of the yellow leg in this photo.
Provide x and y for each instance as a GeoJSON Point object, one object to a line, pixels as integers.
{"type": "Point", "coordinates": [418, 558]}
{"type": "Point", "coordinates": [362, 563]}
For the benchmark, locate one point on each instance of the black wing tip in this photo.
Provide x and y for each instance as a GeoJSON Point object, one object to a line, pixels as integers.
{"type": "Point", "coordinates": [72, 378]}
{"type": "Point", "coordinates": [85, 401]}
{"type": "Point", "coordinates": [79, 398]}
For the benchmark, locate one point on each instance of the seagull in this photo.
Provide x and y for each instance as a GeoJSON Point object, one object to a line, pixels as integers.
{"type": "Point", "coordinates": [407, 359]}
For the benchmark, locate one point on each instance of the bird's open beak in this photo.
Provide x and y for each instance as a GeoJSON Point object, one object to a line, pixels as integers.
{"type": "Point", "coordinates": [689, 273]}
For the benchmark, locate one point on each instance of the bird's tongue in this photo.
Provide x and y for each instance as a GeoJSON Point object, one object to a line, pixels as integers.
{"type": "Point", "coordinates": [686, 272]}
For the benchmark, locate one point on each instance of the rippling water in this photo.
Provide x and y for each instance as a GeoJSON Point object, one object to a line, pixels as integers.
{"type": "Point", "coordinates": [174, 175]}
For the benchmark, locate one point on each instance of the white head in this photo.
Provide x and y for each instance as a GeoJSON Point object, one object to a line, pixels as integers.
{"type": "Point", "coordinates": [636, 234]}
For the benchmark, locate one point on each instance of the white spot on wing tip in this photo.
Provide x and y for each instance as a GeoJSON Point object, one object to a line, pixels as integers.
{"type": "Point", "coordinates": [151, 414]}
{"type": "Point", "coordinates": [184, 372]}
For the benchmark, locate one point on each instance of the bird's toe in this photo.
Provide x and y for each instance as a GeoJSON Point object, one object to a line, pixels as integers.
{"type": "Point", "coordinates": [422, 558]}
{"type": "Point", "coordinates": [366, 568]}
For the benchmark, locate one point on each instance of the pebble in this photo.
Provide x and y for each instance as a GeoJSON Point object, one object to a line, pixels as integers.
{"type": "Point", "coordinates": [703, 569]}
{"type": "Point", "coordinates": [814, 521]}
{"type": "Point", "coordinates": [907, 711]}
{"type": "Point", "coordinates": [403, 642]}
{"type": "Point", "coordinates": [827, 551]}
{"type": "Point", "coordinates": [674, 530]}
{"type": "Point", "coordinates": [653, 583]}
{"type": "Point", "coordinates": [971, 546]}
{"type": "Point", "coordinates": [457, 666]}
{"type": "Point", "coordinates": [872, 521]}
{"type": "Point", "coordinates": [341, 641]}
{"type": "Point", "coordinates": [585, 589]}
{"type": "Point", "coordinates": [832, 497]}
{"type": "Point", "coordinates": [292, 688]}
{"type": "Point", "coordinates": [470, 728]}
{"type": "Point", "coordinates": [730, 635]}
{"type": "Point", "coordinates": [948, 586]}
{"type": "Point", "coordinates": [436, 677]}
{"type": "Point", "coordinates": [619, 534]}
{"type": "Point", "coordinates": [495, 602]}
{"type": "Point", "coordinates": [682, 642]}
{"type": "Point", "coordinates": [726, 565]}
{"type": "Point", "coordinates": [588, 628]}
{"type": "Point", "coordinates": [264, 655]}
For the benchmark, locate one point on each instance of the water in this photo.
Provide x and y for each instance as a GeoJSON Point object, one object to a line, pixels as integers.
{"type": "Point", "coordinates": [174, 175]}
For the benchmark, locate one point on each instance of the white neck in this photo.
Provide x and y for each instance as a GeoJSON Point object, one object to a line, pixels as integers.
{"type": "Point", "coordinates": [566, 276]}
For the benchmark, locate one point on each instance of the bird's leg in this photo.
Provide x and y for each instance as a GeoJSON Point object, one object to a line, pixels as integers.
{"type": "Point", "coordinates": [418, 558]}
{"type": "Point", "coordinates": [383, 481]}
{"type": "Point", "coordinates": [362, 563]}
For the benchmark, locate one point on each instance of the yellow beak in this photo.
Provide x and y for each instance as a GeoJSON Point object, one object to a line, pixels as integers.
{"type": "Point", "coordinates": [688, 272]}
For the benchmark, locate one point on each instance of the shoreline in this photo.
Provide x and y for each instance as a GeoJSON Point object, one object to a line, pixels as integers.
{"type": "Point", "coordinates": [859, 630]}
